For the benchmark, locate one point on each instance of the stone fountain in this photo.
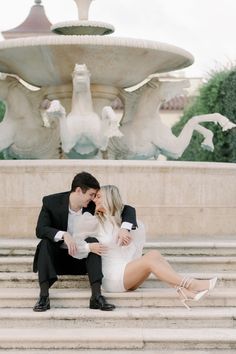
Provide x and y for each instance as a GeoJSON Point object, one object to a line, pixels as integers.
{"type": "Point", "coordinates": [33, 129]}
{"type": "Point", "coordinates": [171, 198]}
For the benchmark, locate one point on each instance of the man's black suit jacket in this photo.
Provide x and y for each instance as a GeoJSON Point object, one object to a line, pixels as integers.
{"type": "Point", "coordinates": [53, 216]}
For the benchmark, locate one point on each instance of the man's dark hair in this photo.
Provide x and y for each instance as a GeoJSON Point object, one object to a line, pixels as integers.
{"type": "Point", "coordinates": [85, 181]}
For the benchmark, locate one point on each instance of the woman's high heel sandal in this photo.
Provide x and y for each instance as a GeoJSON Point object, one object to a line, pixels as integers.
{"type": "Point", "coordinates": [212, 283]}
{"type": "Point", "coordinates": [185, 284]}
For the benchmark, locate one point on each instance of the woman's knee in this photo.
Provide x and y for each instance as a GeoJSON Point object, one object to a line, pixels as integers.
{"type": "Point", "coordinates": [154, 254]}
{"type": "Point", "coordinates": [152, 258]}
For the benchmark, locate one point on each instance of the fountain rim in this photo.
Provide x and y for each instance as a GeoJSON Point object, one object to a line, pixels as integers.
{"type": "Point", "coordinates": [55, 46]}
{"type": "Point", "coordinates": [95, 40]}
{"type": "Point", "coordinates": [82, 23]}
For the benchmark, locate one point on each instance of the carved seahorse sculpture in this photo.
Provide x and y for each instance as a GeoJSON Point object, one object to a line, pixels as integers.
{"type": "Point", "coordinates": [83, 132]}
{"type": "Point", "coordinates": [83, 143]}
{"type": "Point", "coordinates": [22, 133]}
{"type": "Point", "coordinates": [145, 136]}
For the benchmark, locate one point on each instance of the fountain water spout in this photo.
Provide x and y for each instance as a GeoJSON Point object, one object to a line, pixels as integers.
{"type": "Point", "coordinates": [83, 9]}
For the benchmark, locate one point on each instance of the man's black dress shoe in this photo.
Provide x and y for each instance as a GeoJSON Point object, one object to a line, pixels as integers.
{"type": "Point", "coordinates": [100, 303]}
{"type": "Point", "coordinates": [43, 304]}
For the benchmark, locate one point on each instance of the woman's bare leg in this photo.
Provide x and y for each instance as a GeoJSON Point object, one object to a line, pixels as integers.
{"type": "Point", "coordinates": [153, 262]}
{"type": "Point", "coordinates": [136, 272]}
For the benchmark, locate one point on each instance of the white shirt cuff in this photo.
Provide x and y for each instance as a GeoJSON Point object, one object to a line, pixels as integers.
{"type": "Point", "coordinates": [83, 250]}
{"type": "Point", "coordinates": [126, 225]}
{"type": "Point", "coordinates": [58, 236]}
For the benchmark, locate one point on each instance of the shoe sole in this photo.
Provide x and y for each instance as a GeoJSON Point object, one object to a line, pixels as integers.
{"type": "Point", "coordinates": [38, 310]}
{"type": "Point", "coordinates": [99, 308]}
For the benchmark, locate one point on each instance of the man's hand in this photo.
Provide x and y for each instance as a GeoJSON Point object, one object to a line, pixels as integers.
{"type": "Point", "coordinates": [71, 244]}
{"type": "Point", "coordinates": [124, 238]}
{"type": "Point", "coordinates": [98, 248]}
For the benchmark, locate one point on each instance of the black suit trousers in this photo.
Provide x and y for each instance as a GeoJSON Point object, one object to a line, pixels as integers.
{"type": "Point", "coordinates": [51, 260]}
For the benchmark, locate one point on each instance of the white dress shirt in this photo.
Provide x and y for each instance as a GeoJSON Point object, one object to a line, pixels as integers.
{"type": "Point", "coordinates": [83, 246]}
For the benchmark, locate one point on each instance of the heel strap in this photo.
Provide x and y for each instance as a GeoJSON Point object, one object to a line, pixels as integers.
{"type": "Point", "coordinates": [186, 282]}
{"type": "Point", "coordinates": [180, 291]}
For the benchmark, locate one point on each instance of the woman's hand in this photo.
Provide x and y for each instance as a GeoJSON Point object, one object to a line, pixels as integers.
{"type": "Point", "coordinates": [98, 248]}
{"type": "Point", "coordinates": [71, 244]}
{"type": "Point", "coordinates": [124, 238]}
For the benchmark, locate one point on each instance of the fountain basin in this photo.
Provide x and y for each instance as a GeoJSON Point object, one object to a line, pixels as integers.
{"type": "Point", "coordinates": [82, 28]}
{"type": "Point", "coordinates": [118, 62]}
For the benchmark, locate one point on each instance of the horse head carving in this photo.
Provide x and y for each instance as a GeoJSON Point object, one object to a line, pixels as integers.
{"type": "Point", "coordinates": [83, 132]}
{"type": "Point", "coordinates": [80, 78]}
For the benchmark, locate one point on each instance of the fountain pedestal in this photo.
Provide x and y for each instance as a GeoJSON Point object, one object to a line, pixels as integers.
{"type": "Point", "coordinates": [83, 26]}
{"type": "Point", "coordinates": [83, 8]}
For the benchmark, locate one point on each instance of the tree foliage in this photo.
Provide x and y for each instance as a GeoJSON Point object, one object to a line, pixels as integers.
{"type": "Point", "coordinates": [2, 112]}
{"type": "Point", "coordinates": [218, 94]}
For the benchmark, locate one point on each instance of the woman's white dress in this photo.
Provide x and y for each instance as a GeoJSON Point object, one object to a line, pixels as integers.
{"type": "Point", "coordinates": [117, 257]}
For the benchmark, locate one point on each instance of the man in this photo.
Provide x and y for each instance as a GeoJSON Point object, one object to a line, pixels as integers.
{"type": "Point", "coordinates": [54, 253]}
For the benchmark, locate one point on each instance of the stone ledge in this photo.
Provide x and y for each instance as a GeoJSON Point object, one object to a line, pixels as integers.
{"type": "Point", "coordinates": [182, 262]}
{"type": "Point", "coordinates": [115, 351]}
{"type": "Point", "coordinates": [120, 317]}
{"type": "Point", "coordinates": [114, 338]}
{"type": "Point", "coordinates": [28, 279]}
{"type": "Point", "coordinates": [146, 297]}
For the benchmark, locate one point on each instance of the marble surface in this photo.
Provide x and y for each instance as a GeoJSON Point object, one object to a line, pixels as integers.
{"type": "Point", "coordinates": [171, 198]}
{"type": "Point", "coordinates": [118, 62]}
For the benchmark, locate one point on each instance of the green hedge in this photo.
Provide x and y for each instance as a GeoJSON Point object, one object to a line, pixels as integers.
{"type": "Point", "coordinates": [2, 112]}
{"type": "Point", "coordinates": [218, 94]}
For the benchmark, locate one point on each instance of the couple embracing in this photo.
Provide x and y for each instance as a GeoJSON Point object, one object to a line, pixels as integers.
{"type": "Point", "coordinates": [88, 230]}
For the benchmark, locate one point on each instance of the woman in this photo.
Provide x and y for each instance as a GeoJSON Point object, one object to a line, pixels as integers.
{"type": "Point", "coordinates": [125, 268]}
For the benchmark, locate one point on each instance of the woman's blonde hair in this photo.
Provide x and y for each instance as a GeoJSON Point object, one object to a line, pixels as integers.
{"type": "Point", "coordinates": [112, 204]}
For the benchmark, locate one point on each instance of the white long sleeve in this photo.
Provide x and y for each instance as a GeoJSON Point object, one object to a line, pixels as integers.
{"type": "Point", "coordinates": [73, 221]}
{"type": "Point", "coordinates": [85, 225]}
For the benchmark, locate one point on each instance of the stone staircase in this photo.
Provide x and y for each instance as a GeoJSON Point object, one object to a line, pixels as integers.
{"type": "Point", "coordinates": [151, 319]}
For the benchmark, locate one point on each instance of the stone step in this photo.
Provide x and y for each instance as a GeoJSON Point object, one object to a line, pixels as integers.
{"type": "Point", "coordinates": [194, 248]}
{"type": "Point", "coordinates": [121, 317]}
{"type": "Point", "coordinates": [179, 263]}
{"type": "Point", "coordinates": [81, 339]}
{"type": "Point", "coordinates": [202, 264]}
{"type": "Point", "coordinates": [167, 246]}
{"type": "Point", "coordinates": [17, 247]}
{"type": "Point", "coordinates": [116, 351]}
{"type": "Point", "coordinates": [79, 298]}
{"type": "Point", "coordinates": [29, 280]}
{"type": "Point", "coordinates": [225, 279]}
